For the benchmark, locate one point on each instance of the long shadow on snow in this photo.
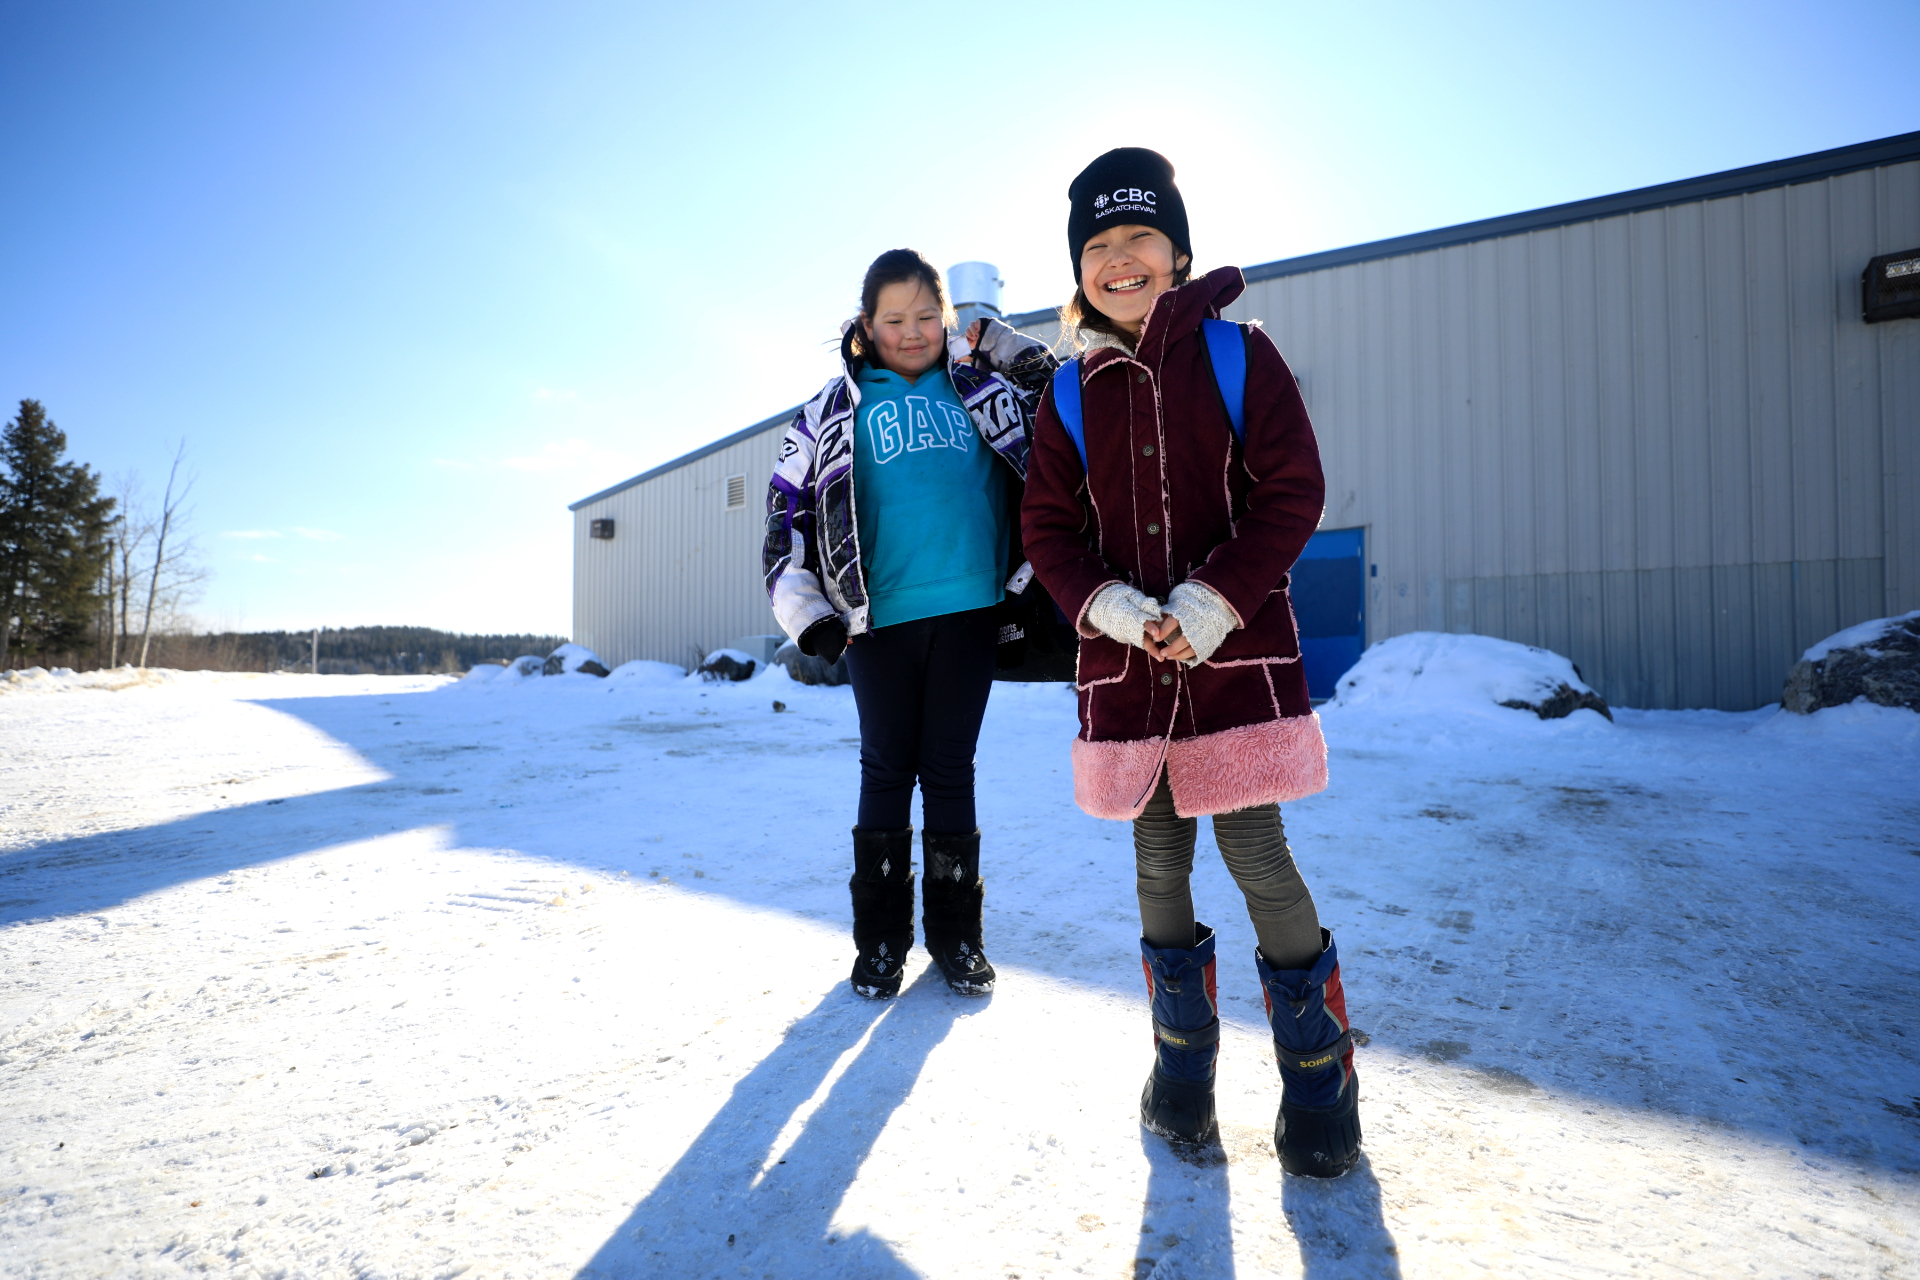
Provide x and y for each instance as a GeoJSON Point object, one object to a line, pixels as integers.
{"type": "Point", "coordinates": [1340, 1227]}
{"type": "Point", "coordinates": [432, 783]}
{"type": "Point", "coordinates": [723, 1209]}
{"type": "Point", "coordinates": [1186, 1216]}
{"type": "Point", "coordinates": [1186, 1230]}
{"type": "Point", "coordinates": [445, 781]}
{"type": "Point", "coordinates": [92, 873]}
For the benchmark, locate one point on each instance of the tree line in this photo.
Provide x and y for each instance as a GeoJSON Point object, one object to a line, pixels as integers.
{"type": "Point", "coordinates": [363, 650]}
{"type": "Point", "coordinates": [95, 579]}
{"type": "Point", "coordinates": [85, 576]}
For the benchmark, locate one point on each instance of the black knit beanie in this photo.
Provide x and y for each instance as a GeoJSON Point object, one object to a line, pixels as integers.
{"type": "Point", "coordinates": [1126, 185]}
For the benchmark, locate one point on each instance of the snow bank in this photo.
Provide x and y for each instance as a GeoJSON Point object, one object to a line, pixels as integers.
{"type": "Point", "coordinates": [1892, 730]}
{"type": "Point", "coordinates": [36, 680]}
{"type": "Point", "coordinates": [528, 671]}
{"type": "Point", "coordinates": [67, 680]}
{"type": "Point", "coordinates": [1861, 636]}
{"type": "Point", "coordinates": [528, 668]}
{"type": "Point", "coordinates": [567, 660]}
{"type": "Point", "coordinates": [1432, 673]}
{"type": "Point", "coordinates": [641, 673]}
{"type": "Point", "coordinates": [644, 671]}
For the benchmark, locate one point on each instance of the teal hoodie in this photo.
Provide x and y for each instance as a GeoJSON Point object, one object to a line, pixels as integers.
{"type": "Point", "coordinates": [929, 499]}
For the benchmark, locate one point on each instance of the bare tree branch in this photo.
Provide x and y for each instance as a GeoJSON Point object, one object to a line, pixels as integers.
{"type": "Point", "coordinates": [170, 515]}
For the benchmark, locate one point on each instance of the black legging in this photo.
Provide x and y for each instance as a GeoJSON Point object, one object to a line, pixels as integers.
{"type": "Point", "coordinates": [1254, 846]}
{"type": "Point", "coordinates": [921, 688]}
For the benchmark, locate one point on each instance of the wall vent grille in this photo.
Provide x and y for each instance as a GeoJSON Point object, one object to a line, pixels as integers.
{"type": "Point", "coordinates": [1890, 287]}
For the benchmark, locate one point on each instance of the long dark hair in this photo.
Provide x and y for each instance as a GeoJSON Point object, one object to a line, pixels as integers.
{"type": "Point", "coordinates": [895, 266]}
{"type": "Point", "coordinates": [1080, 313]}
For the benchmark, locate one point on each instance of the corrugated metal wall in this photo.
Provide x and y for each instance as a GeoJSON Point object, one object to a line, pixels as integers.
{"type": "Point", "coordinates": [1663, 443]}
{"type": "Point", "coordinates": [682, 572]}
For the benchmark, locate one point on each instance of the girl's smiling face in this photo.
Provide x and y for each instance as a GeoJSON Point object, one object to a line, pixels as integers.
{"type": "Point", "coordinates": [1123, 269]}
{"type": "Point", "coordinates": [907, 330]}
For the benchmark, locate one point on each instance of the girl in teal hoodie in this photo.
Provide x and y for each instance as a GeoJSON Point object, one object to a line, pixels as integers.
{"type": "Point", "coordinates": [891, 537]}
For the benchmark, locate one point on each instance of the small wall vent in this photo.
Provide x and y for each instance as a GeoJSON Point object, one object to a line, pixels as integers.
{"type": "Point", "coordinates": [736, 492]}
{"type": "Point", "coordinates": [1890, 287]}
{"type": "Point", "coordinates": [600, 529]}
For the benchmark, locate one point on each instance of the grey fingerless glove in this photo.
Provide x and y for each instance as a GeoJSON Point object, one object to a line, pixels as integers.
{"type": "Point", "coordinates": [1003, 344]}
{"type": "Point", "coordinates": [1122, 613]}
{"type": "Point", "coordinates": [1205, 618]}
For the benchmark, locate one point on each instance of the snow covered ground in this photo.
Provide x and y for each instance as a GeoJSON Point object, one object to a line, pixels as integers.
{"type": "Point", "coordinates": [397, 977]}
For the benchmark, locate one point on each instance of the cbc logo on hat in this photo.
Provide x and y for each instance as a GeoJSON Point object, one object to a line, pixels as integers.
{"type": "Point", "coordinates": [1125, 198]}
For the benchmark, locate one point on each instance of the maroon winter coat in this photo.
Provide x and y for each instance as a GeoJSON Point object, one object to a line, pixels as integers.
{"type": "Point", "coordinates": [1169, 495]}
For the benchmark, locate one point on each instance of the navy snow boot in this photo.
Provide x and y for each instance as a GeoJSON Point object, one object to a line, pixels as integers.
{"type": "Point", "coordinates": [953, 896]}
{"type": "Point", "coordinates": [882, 887]}
{"type": "Point", "coordinates": [1318, 1130]}
{"type": "Point", "coordinates": [1177, 1102]}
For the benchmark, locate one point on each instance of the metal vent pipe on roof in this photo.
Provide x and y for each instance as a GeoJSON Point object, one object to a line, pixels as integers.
{"type": "Point", "coordinates": [974, 289]}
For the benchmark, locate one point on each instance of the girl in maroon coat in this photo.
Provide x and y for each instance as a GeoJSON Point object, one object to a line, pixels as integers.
{"type": "Point", "coordinates": [1167, 536]}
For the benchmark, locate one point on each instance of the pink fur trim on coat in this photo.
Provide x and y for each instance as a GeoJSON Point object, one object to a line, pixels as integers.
{"type": "Point", "coordinates": [1273, 762]}
{"type": "Point", "coordinates": [1115, 779]}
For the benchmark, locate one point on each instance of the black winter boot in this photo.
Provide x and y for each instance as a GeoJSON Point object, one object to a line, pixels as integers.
{"type": "Point", "coordinates": [882, 886]}
{"type": "Point", "coordinates": [954, 896]}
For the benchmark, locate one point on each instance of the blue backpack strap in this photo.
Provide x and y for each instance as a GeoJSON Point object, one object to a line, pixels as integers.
{"type": "Point", "coordinates": [1227, 347]}
{"type": "Point", "coordinates": [1066, 404]}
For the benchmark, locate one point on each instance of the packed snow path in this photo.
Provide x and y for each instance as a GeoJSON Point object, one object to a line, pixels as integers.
{"type": "Point", "coordinates": [383, 977]}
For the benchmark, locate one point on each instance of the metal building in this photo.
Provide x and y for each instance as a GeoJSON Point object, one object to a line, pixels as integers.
{"type": "Point", "coordinates": [667, 565]}
{"type": "Point", "coordinates": [1651, 431]}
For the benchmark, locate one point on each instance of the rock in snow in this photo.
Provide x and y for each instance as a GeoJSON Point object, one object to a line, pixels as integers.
{"type": "Point", "coordinates": [569, 659]}
{"type": "Point", "coordinates": [728, 664]}
{"type": "Point", "coordinates": [1431, 670]}
{"type": "Point", "coordinates": [531, 664]}
{"type": "Point", "coordinates": [1878, 661]}
{"type": "Point", "coordinates": [1562, 702]}
{"type": "Point", "coordinates": [808, 669]}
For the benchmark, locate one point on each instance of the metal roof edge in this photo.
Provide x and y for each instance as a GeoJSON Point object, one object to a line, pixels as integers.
{"type": "Point", "coordinates": [746, 433]}
{"type": "Point", "coordinates": [1021, 319]}
{"type": "Point", "coordinates": [1731, 182]}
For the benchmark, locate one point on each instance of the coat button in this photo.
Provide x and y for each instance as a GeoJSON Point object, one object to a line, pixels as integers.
{"type": "Point", "coordinates": [1153, 528]}
{"type": "Point", "coordinates": [1140, 377]}
{"type": "Point", "coordinates": [1165, 678]}
{"type": "Point", "coordinates": [1147, 452]}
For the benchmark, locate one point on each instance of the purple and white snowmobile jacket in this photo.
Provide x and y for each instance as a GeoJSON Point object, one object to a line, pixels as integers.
{"type": "Point", "coordinates": [811, 557]}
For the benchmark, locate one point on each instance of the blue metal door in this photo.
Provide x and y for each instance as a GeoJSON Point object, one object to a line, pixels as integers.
{"type": "Point", "coordinates": [1329, 602]}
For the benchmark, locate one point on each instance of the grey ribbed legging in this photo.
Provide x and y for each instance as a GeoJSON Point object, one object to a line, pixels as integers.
{"type": "Point", "coordinates": [1254, 846]}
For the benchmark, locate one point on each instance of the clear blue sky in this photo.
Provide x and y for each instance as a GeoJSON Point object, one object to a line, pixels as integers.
{"type": "Point", "coordinates": [410, 278]}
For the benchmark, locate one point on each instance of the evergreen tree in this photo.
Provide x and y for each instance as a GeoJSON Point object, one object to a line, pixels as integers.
{"type": "Point", "coordinates": [53, 539]}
